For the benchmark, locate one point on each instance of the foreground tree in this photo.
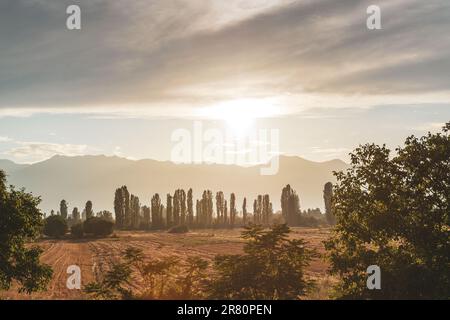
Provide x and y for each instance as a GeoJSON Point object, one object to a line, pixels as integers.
{"type": "Point", "coordinates": [271, 268]}
{"type": "Point", "coordinates": [20, 221]}
{"type": "Point", "coordinates": [393, 212]}
{"type": "Point", "coordinates": [164, 278]}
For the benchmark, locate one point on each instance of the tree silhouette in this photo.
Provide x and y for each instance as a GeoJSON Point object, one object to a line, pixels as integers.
{"type": "Point", "coordinates": [157, 219]}
{"type": "Point", "coordinates": [146, 214]}
{"type": "Point", "coordinates": [179, 207]}
{"type": "Point", "coordinates": [76, 215]}
{"type": "Point", "coordinates": [63, 209]}
{"type": "Point", "coordinates": [244, 211]}
{"type": "Point", "coordinates": [88, 208]}
{"type": "Point", "coordinates": [169, 211]}
{"type": "Point", "coordinates": [135, 211]}
{"type": "Point", "coordinates": [290, 205]}
{"type": "Point", "coordinates": [190, 209]}
{"type": "Point", "coordinates": [220, 207]}
{"type": "Point", "coordinates": [327, 196]}
{"type": "Point", "coordinates": [232, 209]}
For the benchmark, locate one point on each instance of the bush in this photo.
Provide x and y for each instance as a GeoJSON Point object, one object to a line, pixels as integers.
{"type": "Point", "coordinates": [98, 226]}
{"type": "Point", "coordinates": [77, 230]}
{"type": "Point", "coordinates": [308, 222]}
{"type": "Point", "coordinates": [55, 226]}
{"type": "Point", "coordinates": [179, 229]}
{"type": "Point", "coordinates": [271, 268]}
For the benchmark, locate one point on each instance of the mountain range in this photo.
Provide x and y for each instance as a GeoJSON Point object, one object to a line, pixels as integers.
{"type": "Point", "coordinates": [81, 178]}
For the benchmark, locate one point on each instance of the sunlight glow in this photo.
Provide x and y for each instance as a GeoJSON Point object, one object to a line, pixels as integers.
{"type": "Point", "coordinates": [240, 114]}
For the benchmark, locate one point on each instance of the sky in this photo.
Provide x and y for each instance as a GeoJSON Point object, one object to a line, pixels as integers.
{"type": "Point", "coordinates": [138, 70]}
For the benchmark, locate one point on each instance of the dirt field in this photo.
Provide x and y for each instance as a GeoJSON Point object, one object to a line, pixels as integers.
{"type": "Point", "coordinates": [93, 256]}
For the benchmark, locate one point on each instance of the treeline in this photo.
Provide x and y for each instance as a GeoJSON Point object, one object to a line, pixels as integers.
{"type": "Point", "coordinates": [212, 211]}
{"type": "Point", "coordinates": [76, 216]}
{"type": "Point", "coordinates": [179, 210]}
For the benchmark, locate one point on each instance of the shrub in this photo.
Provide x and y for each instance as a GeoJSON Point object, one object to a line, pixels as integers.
{"type": "Point", "coordinates": [179, 229]}
{"type": "Point", "coordinates": [98, 226]}
{"type": "Point", "coordinates": [77, 230]}
{"type": "Point", "coordinates": [272, 267]}
{"type": "Point", "coordinates": [55, 226]}
{"type": "Point", "coordinates": [308, 222]}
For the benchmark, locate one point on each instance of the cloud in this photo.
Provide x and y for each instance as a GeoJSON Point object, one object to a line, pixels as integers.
{"type": "Point", "coordinates": [331, 153]}
{"type": "Point", "coordinates": [430, 126]}
{"type": "Point", "coordinates": [170, 57]}
{"type": "Point", "coordinates": [38, 151]}
{"type": "Point", "coordinates": [5, 139]}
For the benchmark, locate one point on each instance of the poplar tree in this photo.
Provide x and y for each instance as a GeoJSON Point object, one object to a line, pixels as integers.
{"type": "Point", "coordinates": [63, 209]}
{"type": "Point", "coordinates": [169, 211]}
{"type": "Point", "coordinates": [327, 197]}
{"type": "Point", "coordinates": [232, 209]}
{"type": "Point", "coordinates": [89, 211]}
{"type": "Point", "coordinates": [244, 211]}
{"type": "Point", "coordinates": [290, 205]}
{"type": "Point", "coordinates": [190, 209]}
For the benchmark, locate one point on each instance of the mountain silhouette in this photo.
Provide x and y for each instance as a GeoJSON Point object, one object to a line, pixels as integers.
{"type": "Point", "coordinates": [95, 178]}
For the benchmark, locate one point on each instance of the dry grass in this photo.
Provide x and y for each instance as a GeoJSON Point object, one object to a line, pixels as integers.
{"type": "Point", "coordinates": [93, 256]}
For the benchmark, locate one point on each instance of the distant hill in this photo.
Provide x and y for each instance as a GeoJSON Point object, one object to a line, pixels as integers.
{"type": "Point", "coordinates": [95, 178]}
{"type": "Point", "coordinates": [10, 167]}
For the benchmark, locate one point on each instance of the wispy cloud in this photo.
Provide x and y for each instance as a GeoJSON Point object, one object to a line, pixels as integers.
{"type": "Point", "coordinates": [5, 139]}
{"type": "Point", "coordinates": [37, 151]}
{"type": "Point", "coordinates": [430, 126]}
{"type": "Point", "coordinates": [162, 58]}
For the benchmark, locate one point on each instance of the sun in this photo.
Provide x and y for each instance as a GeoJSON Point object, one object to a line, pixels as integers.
{"type": "Point", "coordinates": [239, 115]}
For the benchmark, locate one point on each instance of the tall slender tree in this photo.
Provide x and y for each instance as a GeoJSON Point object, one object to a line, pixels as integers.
{"type": "Point", "coordinates": [88, 208]}
{"type": "Point", "coordinates": [169, 211]}
{"type": "Point", "coordinates": [146, 216]}
{"type": "Point", "coordinates": [156, 212]}
{"type": "Point", "coordinates": [327, 197]}
{"type": "Point", "coordinates": [266, 209]}
{"type": "Point", "coordinates": [244, 211]}
{"type": "Point", "coordinates": [290, 205]}
{"type": "Point", "coordinates": [232, 209]}
{"type": "Point", "coordinates": [190, 209]}
{"type": "Point", "coordinates": [76, 215]}
{"type": "Point", "coordinates": [122, 208]}
{"type": "Point", "coordinates": [135, 211]}
{"type": "Point", "coordinates": [63, 208]}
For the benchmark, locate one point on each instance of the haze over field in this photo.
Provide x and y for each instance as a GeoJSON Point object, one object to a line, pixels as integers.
{"type": "Point", "coordinates": [95, 178]}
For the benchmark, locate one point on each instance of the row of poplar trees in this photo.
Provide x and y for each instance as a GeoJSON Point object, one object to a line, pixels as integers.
{"type": "Point", "coordinates": [179, 210]}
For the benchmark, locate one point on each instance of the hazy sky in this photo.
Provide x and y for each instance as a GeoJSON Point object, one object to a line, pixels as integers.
{"type": "Point", "coordinates": [138, 70]}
